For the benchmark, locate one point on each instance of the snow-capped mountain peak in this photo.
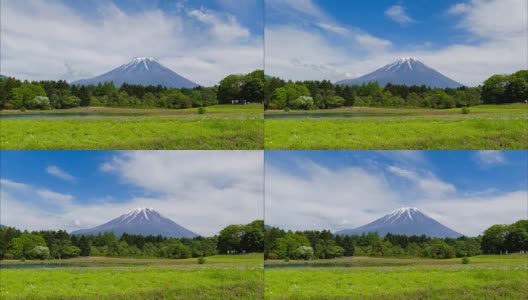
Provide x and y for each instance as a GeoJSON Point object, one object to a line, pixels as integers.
{"type": "Point", "coordinates": [143, 221]}
{"type": "Point", "coordinates": [409, 61]}
{"type": "Point", "coordinates": [406, 220]}
{"type": "Point", "coordinates": [142, 70]}
{"type": "Point", "coordinates": [405, 71]}
{"type": "Point", "coordinates": [404, 213]}
{"type": "Point", "coordinates": [145, 61]}
{"type": "Point", "coordinates": [139, 214]}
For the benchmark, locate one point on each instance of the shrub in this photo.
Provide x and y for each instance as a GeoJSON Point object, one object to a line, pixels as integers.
{"type": "Point", "coordinates": [303, 102]}
{"type": "Point", "coordinates": [39, 252]}
{"type": "Point", "coordinates": [201, 260]}
{"type": "Point", "coordinates": [465, 110]}
{"type": "Point", "coordinates": [201, 110]}
{"type": "Point", "coordinates": [39, 102]}
{"type": "Point", "coordinates": [465, 260]}
{"type": "Point", "coordinates": [23, 109]}
{"type": "Point", "coordinates": [287, 259]}
{"type": "Point", "coordinates": [304, 252]}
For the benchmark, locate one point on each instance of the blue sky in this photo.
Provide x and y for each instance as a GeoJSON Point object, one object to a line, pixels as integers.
{"type": "Point", "coordinates": [466, 190]}
{"type": "Point", "coordinates": [201, 40]}
{"type": "Point", "coordinates": [465, 39]}
{"type": "Point", "coordinates": [430, 22]}
{"type": "Point", "coordinates": [81, 189]}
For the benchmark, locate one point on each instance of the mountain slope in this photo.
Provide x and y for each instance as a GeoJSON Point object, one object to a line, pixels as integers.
{"type": "Point", "coordinates": [406, 71]}
{"type": "Point", "coordinates": [143, 221]}
{"type": "Point", "coordinates": [143, 71]}
{"type": "Point", "coordinates": [408, 221]}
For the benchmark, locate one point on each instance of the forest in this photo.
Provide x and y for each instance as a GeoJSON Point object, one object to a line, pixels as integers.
{"type": "Point", "coordinates": [309, 95]}
{"type": "Point", "coordinates": [497, 239]}
{"type": "Point", "coordinates": [48, 94]}
{"type": "Point", "coordinates": [233, 239]}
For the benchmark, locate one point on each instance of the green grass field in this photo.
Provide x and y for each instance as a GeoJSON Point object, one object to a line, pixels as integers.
{"type": "Point", "coordinates": [221, 277]}
{"type": "Point", "coordinates": [223, 127]}
{"type": "Point", "coordinates": [486, 277]}
{"type": "Point", "coordinates": [486, 127]}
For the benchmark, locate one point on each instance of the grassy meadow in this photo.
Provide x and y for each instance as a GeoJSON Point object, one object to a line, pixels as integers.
{"type": "Point", "coordinates": [221, 277]}
{"type": "Point", "coordinates": [485, 277]}
{"type": "Point", "coordinates": [485, 127]}
{"type": "Point", "coordinates": [223, 127]}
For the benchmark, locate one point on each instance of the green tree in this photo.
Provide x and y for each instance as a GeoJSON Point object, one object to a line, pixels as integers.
{"type": "Point", "coordinates": [494, 88]}
{"type": "Point", "coordinates": [229, 239]}
{"type": "Point", "coordinates": [25, 93]}
{"type": "Point", "coordinates": [289, 243]}
{"type": "Point", "coordinates": [21, 246]}
{"type": "Point", "coordinates": [229, 89]}
{"type": "Point", "coordinates": [493, 239]}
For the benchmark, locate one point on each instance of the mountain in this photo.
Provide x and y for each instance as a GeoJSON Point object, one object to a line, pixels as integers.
{"type": "Point", "coordinates": [408, 221]}
{"type": "Point", "coordinates": [143, 71]}
{"type": "Point", "coordinates": [143, 221]}
{"type": "Point", "coordinates": [406, 71]}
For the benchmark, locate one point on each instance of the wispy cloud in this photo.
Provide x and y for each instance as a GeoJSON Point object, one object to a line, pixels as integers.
{"type": "Point", "coordinates": [458, 8]}
{"type": "Point", "coordinates": [488, 158]}
{"type": "Point", "coordinates": [54, 196]}
{"type": "Point", "coordinates": [398, 14]}
{"type": "Point", "coordinates": [59, 173]}
{"type": "Point", "coordinates": [5, 183]}
{"type": "Point", "coordinates": [427, 183]}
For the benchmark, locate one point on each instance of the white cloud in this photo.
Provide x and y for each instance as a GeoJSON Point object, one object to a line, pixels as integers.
{"type": "Point", "coordinates": [33, 218]}
{"type": "Point", "coordinates": [310, 55]}
{"type": "Point", "coordinates": [458, 8]}
{"type": "Point", "coordinates": [332, 27]}
{"type": "Point", "coordinates": [471, 215]}
{"type": "Point", "coordinates": [371, 42]}
{"type": "Point", "coordinates": [5, 183]}
{"type": "Point", "coordinates": [398, 14]}
{"type": "Point", "coordinates": [426, 183]}
{"type": "Point", "coordinates": [200, 190]}
{"type": "Point", "coordinates": [324, 198]}
{"type": "Point", "coordinates": [486, 18]}
{"type": "Point", "coordinates": [59, 173]}
{"type": "Point", "coordinates": [303, 7]}
{"type": "Point", "coordinates": [490, 158]}
{"type": "Point", "coordinates": [48, 40]}
{"type": "Point", "coordinates": [224, 30]}
{"type": "Point", "coordinates": [54, 196]}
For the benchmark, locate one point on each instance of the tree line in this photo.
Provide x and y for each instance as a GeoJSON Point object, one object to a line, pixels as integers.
{"type": "Point", "coordinates": [49, 244]}
{"type": "Point", "coordinates": [308, 95]}
{"type": "Point", "coordinates": [497, 239]}
{"type": "Point", "coordinates": [48, 94]}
